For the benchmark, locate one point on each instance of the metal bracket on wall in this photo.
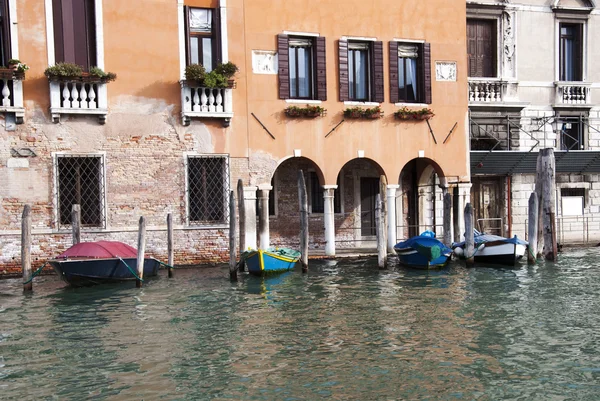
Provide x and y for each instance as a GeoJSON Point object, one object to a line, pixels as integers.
{"type": "Point", "coordinates": [333, 129]}
{"type": "Point", "coordinates": [451, 131]}
{"type": "Point", "coordinates": [262, 125]}
{"type": "Point", "coordinates": [430, 130]}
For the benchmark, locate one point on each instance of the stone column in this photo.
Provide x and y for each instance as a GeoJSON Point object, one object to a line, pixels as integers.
{"type": "Point", "coordinates": [250, 218]}
{"type": "Point", "coordinates": [263, 216]}
{"type": "Point", "coordinates": [329, 219]}
{"type": "Point", "coordinates": [391, 215]}
{"type": "Point", "coordinates": [464, 197]}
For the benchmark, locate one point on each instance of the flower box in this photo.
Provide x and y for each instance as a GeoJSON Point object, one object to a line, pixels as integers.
{"type": "Point", "coordinates": [406, 114]}
{"type": "Point", "coordinates": [358, 112]}
{"type": "Point", "coordinates": [307, 111]}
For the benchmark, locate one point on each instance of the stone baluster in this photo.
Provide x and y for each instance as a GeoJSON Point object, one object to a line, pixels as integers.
{"type": "Point", "coordinates": [196, 99]}
{"type": "Point", "coordinates": [75, 96]}
{"type": "Point", "coordinates": [476, 92]}
{"type": "Point", "coordinates": [66, 95]}
{"type": "Point", "coordinates": [5, 93]}
{"type": "Point", "coordinates": [203, 100]}
{"type": "Point", "coordinates": [92, 97]}
{"type": "Point", "coordinates": [84, 97]}
{"type": "Point", "coordinates": [219, 101]}
{"type": "Point", "coordinates": [211, 100]}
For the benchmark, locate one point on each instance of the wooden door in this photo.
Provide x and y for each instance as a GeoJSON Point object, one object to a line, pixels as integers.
{"type": "Point", "coordinates": [369, 188]}
{"type": "Point", "coordinates": [489, 204]}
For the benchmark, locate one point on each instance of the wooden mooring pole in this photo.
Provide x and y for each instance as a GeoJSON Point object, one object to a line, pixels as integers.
{"type": "Point", "coordinates": [469, 236]}
{"type": "Point", "coordinates": [539, 192]}
{"type": "Point", "coordinates": [303, 200]}
{"type": "Point", "coordinates": [76, 223]}
{"type": "Point", "coordinates": [380, 231]}
{"type": "Point", "coordinates": [241, 220]}
{"type": "Point", "coordinates": [26, 248]}
{"type": "Point", "coordinates": [140, 252]}
{"type": "Point", "coordinates": [532, 229]}
{"type": "Point", "coordinates": [170, 250]}
{"type": "Point", "coordinates": [232, 236]}
{"type": "Point", "coordinates": [548, 196]}
{"type": "Point", "coordinates": [448, 220]}
{"type": "Point", "coordinates": [384, 212]}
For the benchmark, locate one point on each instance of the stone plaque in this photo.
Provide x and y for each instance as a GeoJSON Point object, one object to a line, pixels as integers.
{"type": "Point", "coordinates": [264, 62]}
{"type": "Point", "coordinates": [445, 71]}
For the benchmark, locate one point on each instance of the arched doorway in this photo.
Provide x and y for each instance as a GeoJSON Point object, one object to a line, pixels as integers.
{"type": "Point", "coordinates": [421, 198]}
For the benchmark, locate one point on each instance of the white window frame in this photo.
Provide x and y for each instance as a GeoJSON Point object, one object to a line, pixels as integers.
{"type": "Point", "coordinates": [186, 157]}
{"type": "Point", "coordinates": [55, 185]}
{"type": "Point", "coordinates": [582, 20]}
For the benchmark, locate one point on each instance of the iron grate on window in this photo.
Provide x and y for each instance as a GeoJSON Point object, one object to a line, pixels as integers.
{"type": "Point", "coordinates": [81, 181]}
{"type": "Point", "coordinates": [208, 189]}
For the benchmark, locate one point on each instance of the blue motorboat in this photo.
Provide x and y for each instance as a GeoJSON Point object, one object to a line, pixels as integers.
{"type": "Point", "coordinates": [423, 252]}
{"type": "Point", "coordinates": [271, 260]}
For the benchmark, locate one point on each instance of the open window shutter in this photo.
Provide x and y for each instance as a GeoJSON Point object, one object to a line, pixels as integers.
{"type": "Point", "coordinates": [59, 48]}
{"type": "Point", "coordinates": [6, 50]}
{"type": "Point", "coordinates": [216, 36]}
{"type": "Point", "coordinates": [186, 24]}
{"type": "Point", "coordinates": [284, 66]}
{"type": "Point", "coordinates": [378, 72]}
{"type": "Point", "coordinates": [343, 70]}
{"type": "Point", "coordinates": [321, 69]}
{"type": "Point", "coordinates": [427, 73]}
{"type": "Point", "coordinates": [394, 72]}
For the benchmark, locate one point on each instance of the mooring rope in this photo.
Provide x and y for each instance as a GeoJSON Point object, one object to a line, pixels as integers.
{"type": "Point", "coordinates": [38, 271]}
{"type": "Point", "coordinates": [131, 270]}
{"type": "Point", "coordinates": [166, 265]}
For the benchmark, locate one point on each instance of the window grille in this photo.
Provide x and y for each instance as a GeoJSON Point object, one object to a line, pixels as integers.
{"type": "Point", "coordinates": [208, 190]}
{"type": "Point", "coordinates": [81, 181]}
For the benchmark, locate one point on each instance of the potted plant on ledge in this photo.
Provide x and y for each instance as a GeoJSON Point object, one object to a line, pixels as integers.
{"type": "Point", "coordinates": [371, 113]}
{"type": "Point", "coordinates": [220, 77]}
{"type": "Point", "coordinates": [407, 114]}
{"type": "Point", "coordinates": [309, 111]}
{"type": "Point", "coordinates": [69, 72]}
{"type": "Point", "coordinates": [15, 70]}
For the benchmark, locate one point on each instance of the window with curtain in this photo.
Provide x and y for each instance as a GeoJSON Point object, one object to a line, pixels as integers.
{"type": "Point", "coordinates": [408, 76]}
{"type": "Point", "coordinates": [301, 68]}
{"type": "Point", "coordinates": [571, 59]}
{"type": "Point", "coordinates": [201, 35]}
{"type": "Point", "coordinates": [75, 32]}
{"type": "Point", "coordinates": [359, 71]}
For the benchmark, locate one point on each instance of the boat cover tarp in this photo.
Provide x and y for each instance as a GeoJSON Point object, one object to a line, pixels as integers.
{"type": "Point", "coordinates": [482, 238]}
{"type": "Point", "coordinates": [99, 250]}
{"type": "Point", "coordinates": [426, 245]}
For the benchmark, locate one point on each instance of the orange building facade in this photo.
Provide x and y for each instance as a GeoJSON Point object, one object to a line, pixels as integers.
{"type": "Point", "coordinates": [339, 90]}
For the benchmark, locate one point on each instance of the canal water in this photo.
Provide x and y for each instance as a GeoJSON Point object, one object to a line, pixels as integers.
{"type": "Point", "coordinates": [344, 331]}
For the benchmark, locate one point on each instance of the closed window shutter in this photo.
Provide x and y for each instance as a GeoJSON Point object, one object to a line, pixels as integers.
{"type": "Point", "coordinates": [481, 48]}
{"type": "Point", "coordinates": [321, 65]}
{"type": "Point", "coordinates": [283, 47]}
{"type": "Point", "coordinates": [472, 48]}
{"type": "Point", "coordinates": [378, 72]}
{"type": "Point", "coordinates": [186, 24]}
{"type": "Point", "coordinates": [216, 36]}
{"type": "Point", "coordinates": [75, 32]}
{"type": "Point", "coordinates": [6, 50]}
{"type": "Point", "coordinates": [427, 73]}
{"type": "Point", "coordinates": [394, 96]}
{"type": "Point", "coordinates": [343, 69]}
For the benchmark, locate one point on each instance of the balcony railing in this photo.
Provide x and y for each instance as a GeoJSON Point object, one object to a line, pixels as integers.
{"type": "Point", "coordinates": [12, 98]}
{"type": "Point", "coordinates": [81, 98]}
{"type": "Point", "coordinates": [492, 90]}
{"type": "Point", "coordinates": [573, 93]}
{"type": "Point", "coordinates": [201, 102]}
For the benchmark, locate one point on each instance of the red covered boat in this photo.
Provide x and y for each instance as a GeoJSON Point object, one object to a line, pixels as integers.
{"type": "Point", "coordinates": [89, 263]}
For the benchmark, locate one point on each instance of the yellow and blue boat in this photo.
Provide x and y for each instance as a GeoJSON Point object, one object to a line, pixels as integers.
{"type": "Point", "coordinates": [270, 260]}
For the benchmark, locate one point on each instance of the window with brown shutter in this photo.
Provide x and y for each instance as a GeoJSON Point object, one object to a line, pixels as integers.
{"type": "Point", "coordinates": [203, 44]}
{"type": "Point", "coordinates": [75, 32]}
{"type": "Point", "coordinates": [283, 65]}
{"type": "Point", "coordinates": [410, 72]}
{"type": "Point", "coordinates": [377, 95]}
{"type": "Point", "coordinates": [302, 67]}
{"type": "Point", "coordinates": [481, 47]}
{"type": "Point", "coordinates": [321, 69]}
{"type": "Point", "coordinates": [5, 51]}
{"type": "Point", "coordinates": [343, 69]}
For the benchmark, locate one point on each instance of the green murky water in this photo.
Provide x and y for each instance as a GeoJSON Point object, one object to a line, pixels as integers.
{"type": "Point", "coordinates": [344, 331]}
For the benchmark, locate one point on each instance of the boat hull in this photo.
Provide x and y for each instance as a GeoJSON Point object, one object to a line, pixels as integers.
{"type": "Point", "coordinates": [83, 272]}
{"type": "Point", "coordinates": [423, 252]}
{"type": "Point", "coordinates": [499, 253]}
{"type": "Point", "coordinates": [262, 262]}
{"type": "Point", "coordinates": [411, 258]}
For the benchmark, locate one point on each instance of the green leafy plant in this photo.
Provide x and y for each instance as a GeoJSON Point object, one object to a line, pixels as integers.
{"type": "Point", "coordinates": [228, 69]}
{"type": "Point", "coordinates": [103, 76]}
{"type": "Point", "coordinates": [63, 70]}
{"type": "Point", "coordinates": [17, 65]}
{"type": "Point", "coordinates": [373, 112]}
{"type": "Point", "coordinates": [405, 113]}
{"type": "Point", "coordinates": [306, 111]}
{"type": "Point", "coordinates": [195, 72]}
{"type": "Point", "coordinates": [359, 112]}
{"type": "Point", "coordinates": [214, 80]}
{"type": "Point", "coordinates": [353, 112]}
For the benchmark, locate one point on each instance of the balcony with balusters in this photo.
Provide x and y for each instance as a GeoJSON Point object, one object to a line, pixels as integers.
{"type": "Point", "coordinates": [572, 94]}
{"type": "Point", "coordinates": [12, 97]}
{"type": "Point", "coordinates": [201, 102]}
{"type": "Point", "coordinates": [78, 98]}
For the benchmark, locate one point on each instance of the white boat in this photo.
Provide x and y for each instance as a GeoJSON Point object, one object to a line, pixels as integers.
{"type": "Point", "coordinates": [494, 249]}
